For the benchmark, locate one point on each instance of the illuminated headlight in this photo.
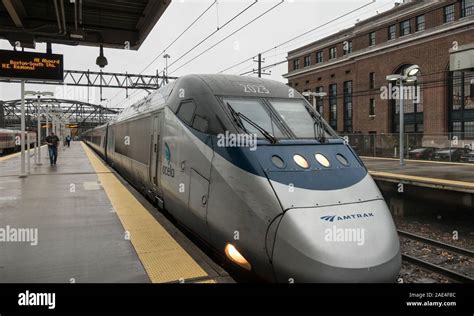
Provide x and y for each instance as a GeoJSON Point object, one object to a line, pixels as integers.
{"type": "Point", "coordinates": [301, 161]}
{"type": "Point", "coordinates": [234, 255]}
{"type": "Point", "coordinates": [323, 161]}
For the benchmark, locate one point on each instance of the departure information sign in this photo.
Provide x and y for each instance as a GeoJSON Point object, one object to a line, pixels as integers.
{"type": "Point", "coordinates": [28, 65]}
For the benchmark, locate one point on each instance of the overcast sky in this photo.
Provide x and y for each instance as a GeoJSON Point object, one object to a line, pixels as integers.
{"type": "Point", "coordinates": [279, 25]}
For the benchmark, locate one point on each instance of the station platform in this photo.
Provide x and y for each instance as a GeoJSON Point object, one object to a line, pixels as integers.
{"type": "Point", "coordinates": [434, 174]}
{"type": "Point", "coordinates": [80, 222]}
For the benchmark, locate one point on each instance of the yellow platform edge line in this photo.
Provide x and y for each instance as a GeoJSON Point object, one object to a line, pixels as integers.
{"type": "Point", "coordinates": [422, 179]}
{"type": "Point", "coordinates": [422, 161]}
{"type": "Point", "coordinates": [163, 258]}
{"type": "Point", "coordinates": [17, 154]}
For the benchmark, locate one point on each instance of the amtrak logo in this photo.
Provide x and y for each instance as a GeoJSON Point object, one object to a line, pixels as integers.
{"type": "Point", "coordinates": [167, 153]}
{"type": "Point", "coordinates": [335, 218]}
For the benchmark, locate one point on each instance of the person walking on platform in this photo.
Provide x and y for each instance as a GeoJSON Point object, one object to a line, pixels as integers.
{"type": "Point", "coordinates": [52, 141]}
{"type": "Point", "coordinates": [68, 140]}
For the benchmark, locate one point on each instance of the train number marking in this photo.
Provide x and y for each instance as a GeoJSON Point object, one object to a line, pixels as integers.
{"type": "Point", "coordinates": [252, 88]}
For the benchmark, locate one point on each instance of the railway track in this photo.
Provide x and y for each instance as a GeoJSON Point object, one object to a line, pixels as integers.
{"type": "Point", "coordinates": [453, 275]}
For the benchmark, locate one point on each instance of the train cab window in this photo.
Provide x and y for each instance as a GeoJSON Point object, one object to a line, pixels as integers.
{"type": "Point", "coordinates": [298, 118]}
{"type": "Point", "coordinates": [186, 111]}
{"type": "Point", "coordinates": [200, 123]}
{"type": "Point", "coordinates": [255, 110]}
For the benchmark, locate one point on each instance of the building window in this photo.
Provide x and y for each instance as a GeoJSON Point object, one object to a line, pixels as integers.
{"type": "Point", "coordinates": [333, 106]}
{"type": "Point", "coordinates": [462, 104]}
{"type": "Point", "coordinates": [392, 32]}
{"type": "Point", "coordinates": [319, 57]}
{"type": "Point", "coordinates": [307, 61]}
{"type": "Point", "coordinates": [449, 13]}
{"type": "Point", "coordinates": [372, 107]}
{"type": "Point", "coordinates": [467, 7]}
{"type": "Point", "coordinates": [347, 47]}
{"type": "Point", "coordinates": [333, 52]}
{"type": "Point", "coordinates": [372, 39]}
{"type": "Point", "coordinates": [320, 102]}
{"type": "Point", "coordinates": [420, 23]}
{"type": "Point", "coordinates": [348, 106]}
{"type": "Point", "coordinates": [405, 28]}
{"type": "Point", "coordinates": [372, 80]}
{"type": "Point", "coordinates": [296, 64]}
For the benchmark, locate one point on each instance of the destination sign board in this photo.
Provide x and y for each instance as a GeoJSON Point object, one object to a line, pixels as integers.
{"type": "Point", "coordinates": [29, 65]}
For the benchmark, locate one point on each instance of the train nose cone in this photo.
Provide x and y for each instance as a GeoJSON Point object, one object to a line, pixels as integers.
{"type": "Point", "coordinates": [343, 244]}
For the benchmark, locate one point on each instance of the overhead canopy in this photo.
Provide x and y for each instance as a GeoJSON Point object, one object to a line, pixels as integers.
{"type": "Point", "coordinates": [113, 23]}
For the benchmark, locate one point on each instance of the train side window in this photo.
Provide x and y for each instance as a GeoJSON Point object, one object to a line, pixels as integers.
{"type": "Point", "coordinates": [186, 111]}
{"type": "Point", "coordinates": [200, 123]}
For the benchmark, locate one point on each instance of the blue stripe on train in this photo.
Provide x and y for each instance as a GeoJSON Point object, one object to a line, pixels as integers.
{"type": "Point", "coordinates": [317, 177]}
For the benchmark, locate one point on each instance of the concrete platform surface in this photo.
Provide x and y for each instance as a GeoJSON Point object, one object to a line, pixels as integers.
{"type": "Point", "coordinates": [452, 176]}
{"type": "Point", "coordinates": [62, 224]}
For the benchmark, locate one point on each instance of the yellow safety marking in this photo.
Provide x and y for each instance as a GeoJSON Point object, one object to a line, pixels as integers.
{"type": "Point", "coordinates": [17, 154]}
{"type": "Point", "coordinates": [163, 258]}
{"type": "Point", "coordinates": [423, 161]}
{"type": "Point", "coordinates": [437, 181]}
{"type": "Point", "coordinates": [9, 156]}
{"type": "Point", "coordinates": [207, 281]}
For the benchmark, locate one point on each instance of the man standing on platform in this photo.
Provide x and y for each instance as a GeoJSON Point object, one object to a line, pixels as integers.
{"type": "Point", "coordinates": [68, 141]}
{"type": "Point", "coordinates": [52, 141]}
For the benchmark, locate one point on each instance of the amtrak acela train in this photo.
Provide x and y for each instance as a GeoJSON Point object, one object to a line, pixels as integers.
{"type": "Point", "coordinates": [250, 168]}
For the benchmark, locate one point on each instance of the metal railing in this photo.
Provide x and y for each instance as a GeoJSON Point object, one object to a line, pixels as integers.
{"type": "Point", "coordinates": [387, 145]}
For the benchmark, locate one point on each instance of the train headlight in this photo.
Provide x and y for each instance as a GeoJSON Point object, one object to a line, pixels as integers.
{"type": "Point", "coordinates": [234, 255]}
{"type": "Point", "coordinates": [278, 162]}
{"type": "Point", "coordinates": [342, 159]}
{"type": "Point", "coordinates": [323, 161]}
{"type": "Point", "coordinates": [301, 161]}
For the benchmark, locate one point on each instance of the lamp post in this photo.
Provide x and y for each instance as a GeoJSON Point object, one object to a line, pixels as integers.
{"type": "Point", "coordinates": [22, 135]}
{"type": "Point", "coordinates": [409, 75]}
{"type": "Point", "coordinates": [315, 95]}
{"type": "Point", "coordinates": [39, 94]}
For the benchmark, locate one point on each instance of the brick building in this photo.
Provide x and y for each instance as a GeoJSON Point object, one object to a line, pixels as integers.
{"type": "Point", "coordinates": [351, 67]}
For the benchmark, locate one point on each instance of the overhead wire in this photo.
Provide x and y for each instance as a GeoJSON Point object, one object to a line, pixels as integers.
{"type": "Point", "coordinates": [231, 34]}
{"type": "Point", "coordinates": [214, 32]}
{"type": "Point", "coordinates": [175, 40]}
{"type": "Point", "coordinates": [305, 33]}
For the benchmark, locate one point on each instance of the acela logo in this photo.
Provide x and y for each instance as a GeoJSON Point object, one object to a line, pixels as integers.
{"type": "Point", "coordinates": [167, 170]}
{"type": "Point", "coordinates": [332, 218]}
{"type": "Point", "coordinates": [167, 153]}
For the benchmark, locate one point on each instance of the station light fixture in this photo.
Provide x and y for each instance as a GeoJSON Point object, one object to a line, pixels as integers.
{"type": "Point", "coordinates": [394, 77]}
{"type": "Point", "coordinates": [235, 256]}
{"type": "Point", "coordinates": [411, 79]}
{"type": "Point", "coordinates": [412, 71]}
{"type": "Point", "coordinates": [101, 61]}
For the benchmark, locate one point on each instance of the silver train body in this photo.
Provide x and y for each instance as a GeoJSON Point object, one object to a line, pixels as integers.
{"type": "Point", "coordinates": [288, 222]}
{"type": "Point", "coordinates": [10, 140]}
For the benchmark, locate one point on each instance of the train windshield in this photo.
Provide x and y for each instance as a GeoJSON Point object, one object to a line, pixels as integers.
{"type": "Point", "coordinates": [283, 118]}
{"type": "Point", "coordinates": [297, 117]}
{"type": "Point", "coordinates": [256, 111]}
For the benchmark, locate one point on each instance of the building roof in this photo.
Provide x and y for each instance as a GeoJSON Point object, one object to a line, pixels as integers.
{"type": "Point", "coordinates": [113, 23]}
